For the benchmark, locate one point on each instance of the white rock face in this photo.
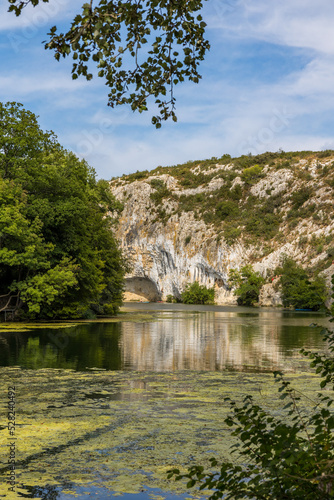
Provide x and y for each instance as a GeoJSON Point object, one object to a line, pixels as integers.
{"type": "Point", "coordinates": [169, 249]}
{"type": "Point", "coordinates": [182, 251]}
{"type": "Point", "coordinates": [275, 182]}
{"type": "Point", "coordinates": [269, 296]}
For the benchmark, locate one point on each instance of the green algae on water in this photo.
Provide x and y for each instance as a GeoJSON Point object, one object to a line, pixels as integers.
{"type": "Point", "coordinates": [123, 430]}
{"type": "Point", "coordinates": [131, 316]}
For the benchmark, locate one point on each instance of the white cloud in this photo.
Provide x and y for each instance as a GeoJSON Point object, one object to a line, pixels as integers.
{"type": "Point", "coordinates": [22, 86]}
{"type": "Point", "coordinates": [316, 79]}
{"type": "Point", "coordinates": [301, 23]}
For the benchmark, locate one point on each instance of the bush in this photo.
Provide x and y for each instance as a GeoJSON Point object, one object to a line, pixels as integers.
{"type": "Point", "coordinates": [236, 192]}
{"type": "Point", "coordinates": [325, 154]}
{"type": "Point", "coordinates": [300, 197]}
{"type": "Point", "coordinates": [198, 294]}
{"type": "Point", "coordinates": [171, 299]}
{"type": "Point", "coordinates": [137, 176]}
{"type": "Point", "coordinates": [298, 290]}
{"type": "Point", "coordinates": [248, 283]}
{"type": "Point", "coordinates": [263, 225]}
{"type": "Point", "coordinates": [226, 208]}
{"type": "Point", "coordinates": [157, 183]}
{"type": "Point", "coordinates": [161, 192]}
{"type": "Point", "coordinates": [231, 233]}
{"type": "Point", "coordinates": [252, 174]}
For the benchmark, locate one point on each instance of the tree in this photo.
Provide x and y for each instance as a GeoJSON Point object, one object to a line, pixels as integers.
{"type": "Point", "coordinates": [198, 294]}
{"type": "Point", "coordinates": [248, 283]}
{"type": "Point", "coordinates": [285, 456]}
{"type": "Point", "coordinates": [298, 290]}
{"type": "Point", "coordinates": [160, 42]}
{"type": "Point", "coordinates": [58, 255]}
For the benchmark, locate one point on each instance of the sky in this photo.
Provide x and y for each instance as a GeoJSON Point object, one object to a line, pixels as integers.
{"type": "Point", "coordinates": [267, 84]}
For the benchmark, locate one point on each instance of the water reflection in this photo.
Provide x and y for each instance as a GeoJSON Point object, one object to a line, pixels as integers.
{"type": "Point", "coordinates": [219, 340]}
{"type": "Point", "coordinates": [180, 339]}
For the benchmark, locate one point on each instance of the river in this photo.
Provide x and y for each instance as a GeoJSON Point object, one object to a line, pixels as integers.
{"type": "Point", "coordinates": [106, 407]}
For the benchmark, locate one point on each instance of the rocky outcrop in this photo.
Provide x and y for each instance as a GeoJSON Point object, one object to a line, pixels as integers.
{"type": "Point", "coordinates": [169, 248]}
{"type": "Point", "coordinates": [176, 253]}
{"type": "Point", "coordinates": [270, 296]}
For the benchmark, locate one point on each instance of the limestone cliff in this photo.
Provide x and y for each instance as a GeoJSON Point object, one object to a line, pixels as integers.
{"type": "Point", "coordinates": [199, 220]}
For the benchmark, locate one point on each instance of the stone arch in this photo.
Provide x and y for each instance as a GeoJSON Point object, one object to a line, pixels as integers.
{"type": "Point", "coordinates": [137, 288]}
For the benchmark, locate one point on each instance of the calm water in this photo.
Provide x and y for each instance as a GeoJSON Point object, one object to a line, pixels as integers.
{"type": "Point", "coordinates": [179, 338]}
{"type": "Point", "coordinates": [107, 408]}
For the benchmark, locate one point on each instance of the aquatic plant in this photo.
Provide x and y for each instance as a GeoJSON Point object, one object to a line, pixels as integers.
{"type": "Point", "coordinates": [279, 455]}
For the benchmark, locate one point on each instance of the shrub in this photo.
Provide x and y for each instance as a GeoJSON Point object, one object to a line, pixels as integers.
{"type": "Point", "coordinates": [325, 154]}
{"type": "Point", "coordinates": [137, 176]}
{"type": "Point", "coordinates": [236, 192]}
{"type": "Point", "coordinates": [300, 197]}
{"type": "Point", "coordinates": [231, 233]}
{"type": "Point", "coordinates": [225, 209]}
{"type": "Point", "coordinates": [198, 294]}
{"type": "Point", "coordinates": [252, 174]}
{"type": "Point", "coordinates": [248, 283]}
{"type": "Point", "coordinates": [157, 183]}
{"type": "Point", "coordinates": [225, 159]}
{"type": "Point", "coordinates": [298, 290]}
{"type": "Point", "coordinates": [171, 299]}
{"type": "Point", "coordinates": [161, 192]}
{"type": "Point", "coordinates": [262, 224]}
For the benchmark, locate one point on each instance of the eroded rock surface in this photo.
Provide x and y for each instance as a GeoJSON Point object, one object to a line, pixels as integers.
{"type": "Point", "coordinates": [170, 247]}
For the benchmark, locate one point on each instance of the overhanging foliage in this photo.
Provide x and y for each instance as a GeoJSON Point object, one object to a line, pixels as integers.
{"type": "Point", "coordinates": [142, 48]}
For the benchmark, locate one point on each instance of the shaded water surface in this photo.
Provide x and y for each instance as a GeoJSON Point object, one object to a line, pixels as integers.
{"type": "Point", "coordinates": [177, 337]}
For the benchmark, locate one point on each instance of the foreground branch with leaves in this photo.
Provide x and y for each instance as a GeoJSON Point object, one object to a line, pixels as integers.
{"type": "Point", "coordinates": [142, 48]}
{"type": "Point", "coordinates": [285, 456]}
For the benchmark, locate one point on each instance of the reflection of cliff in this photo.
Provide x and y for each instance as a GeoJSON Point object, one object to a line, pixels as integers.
{"type": "Point", "coordinates": [210, 341]}
{"type": "Point", "coordinates": [178, 340]}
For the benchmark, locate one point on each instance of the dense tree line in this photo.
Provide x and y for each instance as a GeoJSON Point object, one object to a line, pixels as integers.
{"type": "Point", "coordinates": [58, 255]}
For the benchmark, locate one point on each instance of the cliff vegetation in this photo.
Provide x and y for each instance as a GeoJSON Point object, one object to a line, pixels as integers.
{"type": "Point", "coordinates": [196, 221]}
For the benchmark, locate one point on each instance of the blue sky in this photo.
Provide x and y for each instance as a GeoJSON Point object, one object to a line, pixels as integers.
{"type": "Point", "coordinates": [268, 83]}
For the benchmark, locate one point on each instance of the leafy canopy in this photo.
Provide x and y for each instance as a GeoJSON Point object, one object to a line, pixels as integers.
{"type": "Point", "coordinates": [298, 289]}
{"type": "Point", "coordinates": [198, 294]}
{"type": "Point", "coordinates": [142, 48]}
{"type": "Point", "coordinates": [248, 284]}
{"type": "Point", "coordinates": [58, 256]}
